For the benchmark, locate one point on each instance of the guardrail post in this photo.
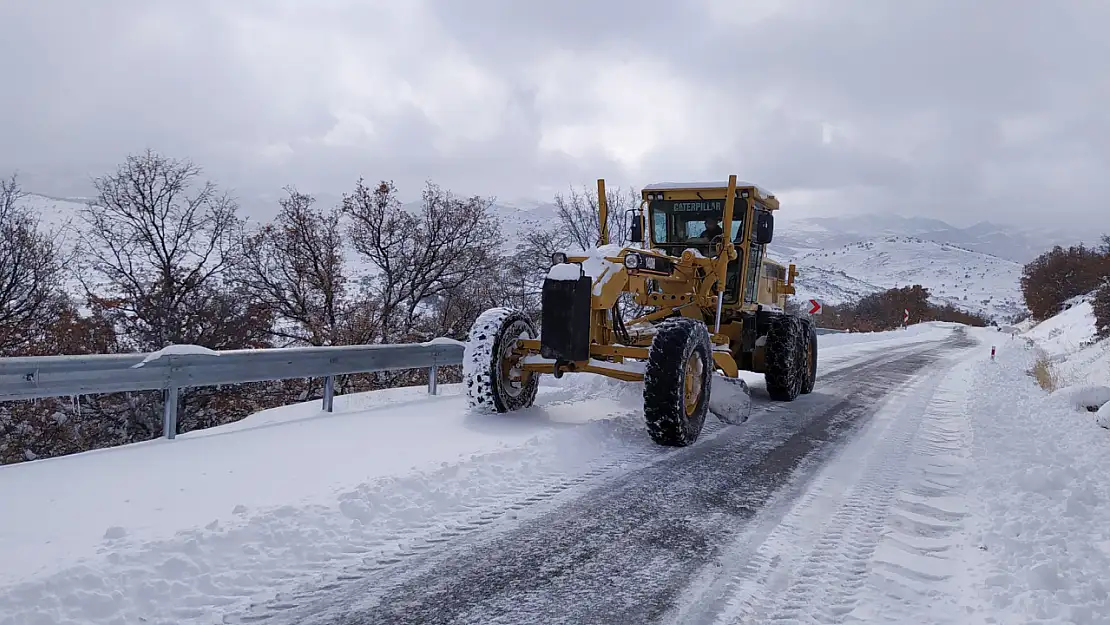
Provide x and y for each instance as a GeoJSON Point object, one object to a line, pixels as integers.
{"type": "Point", "coordinates": [329, 393]}
{"type": "Point", "coordinates": [432, 380]}
{"type": "Point", "coordinates": [169, 413]}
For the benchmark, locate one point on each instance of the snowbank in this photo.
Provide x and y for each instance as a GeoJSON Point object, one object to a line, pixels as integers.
{"type": "Point", "coordinates": [177, 350]}
{"type": "Point", "coordinates": [1088, 398]}
{"type": "Point", "coordinates": [1040, 503]}
{"type": "Point", "coordinates": [1103, 416]}
{"type": "Point", "coordinates": [442, 340]}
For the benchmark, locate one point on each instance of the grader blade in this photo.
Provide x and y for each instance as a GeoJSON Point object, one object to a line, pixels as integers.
{"type": "Point", "coordinates": [730, 399]}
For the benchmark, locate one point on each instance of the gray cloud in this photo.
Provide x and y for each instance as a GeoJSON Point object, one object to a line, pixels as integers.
{"type": "Point", "coordinates": [964, 111]}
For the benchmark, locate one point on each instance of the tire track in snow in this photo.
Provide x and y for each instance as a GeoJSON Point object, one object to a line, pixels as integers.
{"type": "Point", "coordinates": [523, 499]}
{"type": "Point", "coordinates": [532, 566]}
{"type": "Point", "coordinates": [859, 523]}
{"type": "Point", "coordinates": [786, 558]}
{"type": "Point", "coordinates": [916, 565]}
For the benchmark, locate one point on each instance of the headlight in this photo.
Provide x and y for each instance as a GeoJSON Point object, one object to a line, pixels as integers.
{"type": "Point", "coordinates": [632, 260]}
{"type": "Point", "coordinates": [558, 258]}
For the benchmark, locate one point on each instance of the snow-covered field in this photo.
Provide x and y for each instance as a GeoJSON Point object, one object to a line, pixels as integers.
{"type": "Point", "coordinates": [186, 530]}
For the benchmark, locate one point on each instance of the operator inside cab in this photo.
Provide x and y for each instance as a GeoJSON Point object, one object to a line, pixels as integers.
{"type": "Point", "coordinates": [712, 228]}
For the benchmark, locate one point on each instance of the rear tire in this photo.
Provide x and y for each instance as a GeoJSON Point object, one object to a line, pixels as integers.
{"type": "Point", "coordinates": [493, 381]}
{"type": "Point", "coordinates": [809, 356]}
{"type": "Point", "coordinates": [783, 358]}
{"type": "Point", "coordinates": [677, 382]}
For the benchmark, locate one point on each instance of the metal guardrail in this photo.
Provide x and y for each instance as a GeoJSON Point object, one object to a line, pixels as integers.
{"type": "Point", "coordinates": [172, 369]}
{"type": "Point", "coordinates": [181, 367]}
{"type": "Point", "coordinates": [830, 331]}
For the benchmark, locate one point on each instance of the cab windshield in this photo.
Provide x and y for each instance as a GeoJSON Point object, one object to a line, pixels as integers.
{"type": "Point", "coordinates": [693, 222]}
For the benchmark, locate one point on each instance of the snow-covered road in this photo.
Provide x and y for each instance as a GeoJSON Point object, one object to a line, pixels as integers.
{"type": "Point", "coordinates": [631, 546]}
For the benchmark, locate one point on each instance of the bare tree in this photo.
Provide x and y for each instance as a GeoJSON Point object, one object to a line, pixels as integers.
{"type": "Point", "coordinates": [577, 228]}
{"type": "Point", "coordinates": [295, 266]}
{"type": "Point", "coordinates": [157, 242]}
{"type": "Point", "coordinates": [580, 218]}
{"type": "Point", "coordinates": [537, 247]}
{"type": "Point", "coordinates": [30, 270]}
{"type": "Point", "coordinates": [421, 255]}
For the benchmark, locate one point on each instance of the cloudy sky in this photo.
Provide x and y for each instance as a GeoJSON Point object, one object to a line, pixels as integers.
{"type": "Point", "coordinates": [994, 109]}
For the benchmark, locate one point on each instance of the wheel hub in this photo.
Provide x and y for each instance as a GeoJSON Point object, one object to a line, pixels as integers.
{"type": "Point", "coordinates": [509, 370]}
{"type": "Point", "coordinates": [695, 370]}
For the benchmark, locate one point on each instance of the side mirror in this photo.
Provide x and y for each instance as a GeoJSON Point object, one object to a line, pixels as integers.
{"type": "Point", "coordinates": [637, 228]}
{"type": "Point", "coordinates": [764, 228]}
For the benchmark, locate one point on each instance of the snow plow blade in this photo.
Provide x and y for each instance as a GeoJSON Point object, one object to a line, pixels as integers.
{"type": "Point", "coordinates": [730, 400]}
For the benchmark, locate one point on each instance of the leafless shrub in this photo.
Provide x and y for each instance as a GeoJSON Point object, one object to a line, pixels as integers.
{"type": "Point", "coordinates": [1045, 373]}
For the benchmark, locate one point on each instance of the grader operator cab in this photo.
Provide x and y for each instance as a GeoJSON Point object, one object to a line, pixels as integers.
{"type": "Point", "coordinates": [713, 304]}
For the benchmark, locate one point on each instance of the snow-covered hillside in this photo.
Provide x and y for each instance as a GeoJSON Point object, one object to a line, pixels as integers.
{"type": "Point", "coordinates": [517, 220]}
{"type": "Point", "coordinates": [795, 236]}
{"type": "Point", "coordinates": [55, 214]}
{"type": "Point", "coordinates": [1069, 339]}
{"type": "Point", "coordinates": [969, 280]}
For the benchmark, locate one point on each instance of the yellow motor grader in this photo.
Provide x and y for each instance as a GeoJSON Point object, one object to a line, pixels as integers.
{"type": "Point", "coordinates": [713, 305]}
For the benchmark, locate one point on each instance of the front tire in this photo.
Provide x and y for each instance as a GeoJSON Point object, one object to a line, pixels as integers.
{"type": "Point", "coordinates": [677, 382]}
{"type": "Point", "coordinates": [491, 372]}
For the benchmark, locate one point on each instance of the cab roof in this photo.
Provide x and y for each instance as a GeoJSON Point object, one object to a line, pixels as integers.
{"type": "Point", "coordinates": [670, 186]}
